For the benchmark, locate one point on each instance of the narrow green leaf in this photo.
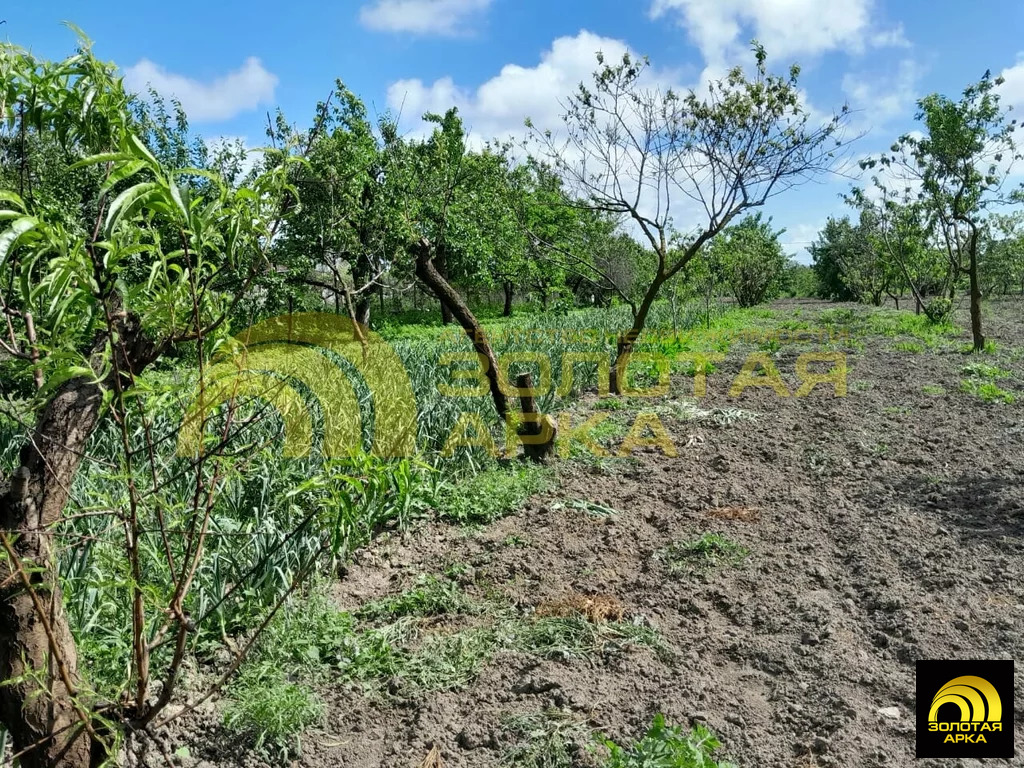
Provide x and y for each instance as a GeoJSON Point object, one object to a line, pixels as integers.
{"type": "Point", "coordinates": [141, 150]}
{"type": "Point", "coordinates": [10, 237]}
{"type": "Point", "coordinates": [122, 172]}
{"type": "Point", "coordinates": [10, 197]}
{"type": "Point", "coordinates": [124, 202]}
{"type": "Point", "coordinates": [103, 157]}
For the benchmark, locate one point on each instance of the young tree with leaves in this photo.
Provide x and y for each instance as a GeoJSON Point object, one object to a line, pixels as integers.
{"type": "Point", "coordinates": [635, 150]}
{"type": "Point", "coordinates": [344, 242]}
{"type": "Point", "coordinates": [751, 260]}
{"type": "Point", "coordinates": [896, 227]}
{"type": "Point", "coordinates": [960, 166]}
{"type": "Point", "coordinates": [93, 292]}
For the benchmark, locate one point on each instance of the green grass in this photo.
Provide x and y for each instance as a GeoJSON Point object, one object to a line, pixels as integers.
{"type": "Point", "coordinates": [987, 391]}
{"type": "Point", "coordinates": [909, 346]}
{"type": "Point", "coordinates": [492, 493]}
{"type": "Point", "coordinates": [558, 739]}
{"type": "Point", "coordinates": [710, 550]}
{"type": "Point", "coordinates": [666, 746]}
{"type": "Point", "coordinates": [391, 646]}
{"type": "Point", "coordinates": [890, 323]}
{"type": "Point", "coordinates": [432, 596]}
{"type": "Point", "coordinates": [577, 637]}
{"type": "Point", "coordinates": [549, 739]}
{"type": "Point", "coordinates": [271, 711]}
{"type": "Point", "coordinates": [985, 371]}
{"type": "Point", "coordinates": [933, 389]}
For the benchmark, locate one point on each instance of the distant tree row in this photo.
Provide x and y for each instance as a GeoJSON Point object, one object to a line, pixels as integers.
{"type": "Point", "coordinates": [936, 218]}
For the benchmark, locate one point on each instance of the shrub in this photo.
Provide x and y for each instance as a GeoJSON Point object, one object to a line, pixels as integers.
{"type": "Point", "coordinates": [938, 310]}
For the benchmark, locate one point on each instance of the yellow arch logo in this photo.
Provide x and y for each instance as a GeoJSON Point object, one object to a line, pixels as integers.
{"type": "Point", "coordinates": [269, 360]}
{"type": "Point", "coordinates": [976, 697]}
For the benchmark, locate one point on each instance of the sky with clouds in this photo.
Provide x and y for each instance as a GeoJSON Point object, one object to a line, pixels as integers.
{"type": "Point", "coordinates": [501, 61]}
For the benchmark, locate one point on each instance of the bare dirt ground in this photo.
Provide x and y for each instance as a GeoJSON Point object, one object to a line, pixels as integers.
{"type": "Point", "coordinates": [883, 527]}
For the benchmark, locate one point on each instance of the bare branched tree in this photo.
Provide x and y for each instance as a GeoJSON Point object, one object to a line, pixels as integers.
{"type": "Point", "coordinates": [654, 155]}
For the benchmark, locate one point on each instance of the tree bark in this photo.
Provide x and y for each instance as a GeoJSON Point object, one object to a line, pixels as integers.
{"type": "Point", "coordinates": [538, 431]}
{"type": "Point", "coordinates": [628, 340]}
{"type": "Point", "coordinates": [362, 310]}
{"type": "Point", "coordinates": [507, 311]}
{"type": "Point", "coordinates": [450, 300]}
{"type": "Point", "coordinates": [37, 647]}
{"type": "Point", "coordinates": [440, 264]}
{"type": "Point", "coordinates": [976, 332]}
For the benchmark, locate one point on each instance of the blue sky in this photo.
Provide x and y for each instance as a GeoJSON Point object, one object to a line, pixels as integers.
{"type": "Point", "coordinates": [501, 60]}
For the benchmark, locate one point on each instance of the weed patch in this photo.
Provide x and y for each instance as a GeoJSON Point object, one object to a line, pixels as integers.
{"type": "Point", "coordinates": [431, 597]}
{"type": "Point", "coordinates": [709, 551]}
{"type": "Point", "coordinates": [666, 746]}
{"type": "Point", "coordinates": [492, 493]}
{"type": "Point", "coordinates": [987, 391]}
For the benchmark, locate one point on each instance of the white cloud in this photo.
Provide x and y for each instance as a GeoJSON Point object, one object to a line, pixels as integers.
{"type": "Point", "coordinates": [797, 240]}
{"type": "Point", "coordinates": [422, 17]}
{"type": "Point", "coordinates": [1012, 91]}
{"type": "Point", "coordinates": [499, 106]}
{"type": "Point", "coordinates": [722, 29]}
{"type": "Point", "coordinates": [877, 101]}
{"type": "Point", "coordinates": [244, 89]}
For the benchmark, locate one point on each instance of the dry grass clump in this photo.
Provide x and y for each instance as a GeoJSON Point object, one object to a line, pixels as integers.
{"type": "Point", "coordinates": [596, 609]}
{"type": "Point", "coordinates": [741, 514]}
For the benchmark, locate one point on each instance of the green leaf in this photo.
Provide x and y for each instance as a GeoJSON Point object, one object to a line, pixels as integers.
{"type": "Point", "coordinates": [178, 200]}
{"type": "Point", "coordinates": [11, 236]}
{"type": "Point", "coordinates": [10, 197]}
{"type": "Point", "coordinates": [123, 203]}
{"type": "Point", "coordinates": [122, 172]}
{"type": "Point", "coordinates": [141, 150]}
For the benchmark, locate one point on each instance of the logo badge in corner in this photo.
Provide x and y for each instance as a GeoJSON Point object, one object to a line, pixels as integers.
{"type": "Point", "coordinates": [965, 709]}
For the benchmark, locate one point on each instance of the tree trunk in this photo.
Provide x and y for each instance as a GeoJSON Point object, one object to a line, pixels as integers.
{"type": "Point", "coordinates": [507, 311]}
{"type": "Point", "coordinates": [41, 649]}
{"type": "Point", "coordinates": [979, 337]}
{"type": "Point", "coordinates": [628, 340]}
{"type": "Point", "coordinates": [450, 300]}
{"type": "Point", "coordinates": [362, 309]}
{"type": "Point", "coordinates": [539, 432]}
{"type": "Point", "coordinates": [440, 265]}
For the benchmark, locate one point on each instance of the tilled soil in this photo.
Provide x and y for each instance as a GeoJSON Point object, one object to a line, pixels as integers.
{"type": "Point", "coordinates": [882, 528]}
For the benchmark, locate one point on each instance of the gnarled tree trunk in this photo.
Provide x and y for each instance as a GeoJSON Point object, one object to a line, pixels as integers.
{"type": "Point", "coordinates": [450, 300]}
{"type": "Point", "coordinates": [43, 711]}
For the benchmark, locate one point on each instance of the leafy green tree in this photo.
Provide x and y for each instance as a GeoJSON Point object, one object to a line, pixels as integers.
{"type": "Point", "coordinates": [456, 220]}
{"type": "Point", "coordinates": [636, 151]}
{"type": "Point", "coordinates": [751, 260]}
{"type": "Point", "coordinates": [343, 243]}
{"type": "Point", "coordinates": [839, 245]}
{"type": "Point", "coordinates": [851, 265]}
{"type": "Point", "coordinates": [961, 165]}
{"type": "Point", "coordinates": [94, 291]}
{"type": "Point", "coordinates": [896, 226]}
{"type": "Point", "coordinates": [799, 280]}
{"type": "Point", "coordinates": [1001, 264]}
{"type": "Point", "coordinates": [555, 232]}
